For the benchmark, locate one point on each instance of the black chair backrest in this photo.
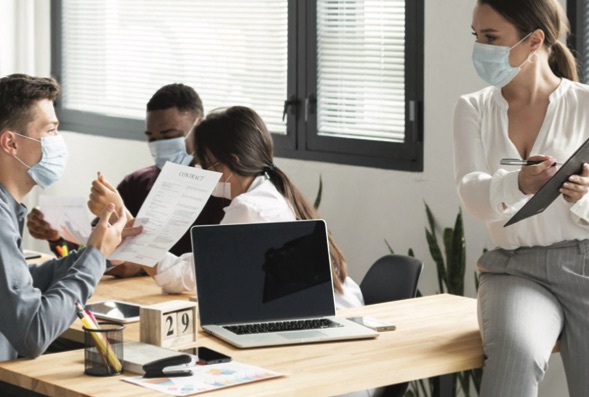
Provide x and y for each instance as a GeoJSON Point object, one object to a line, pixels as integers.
{"type": "Point", "coordinates": [391, 278]}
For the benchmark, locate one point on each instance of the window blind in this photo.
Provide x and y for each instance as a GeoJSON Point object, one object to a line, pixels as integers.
{"type": "Point", "coordinates": [361, 69]}
{"type": "Point", "coordinates": [116, 54]}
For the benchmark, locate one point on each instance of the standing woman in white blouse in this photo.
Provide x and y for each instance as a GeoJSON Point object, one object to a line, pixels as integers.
{"type": "Point", "coordinates": [236, 142]}
{"type": "Point", "coordinates": [534, 285]}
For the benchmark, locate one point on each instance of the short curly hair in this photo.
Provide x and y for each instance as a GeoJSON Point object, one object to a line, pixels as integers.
{"type": "Point", "coordinates": [18, 94]}
{"type": "Point", "coordinates": [179, 96]}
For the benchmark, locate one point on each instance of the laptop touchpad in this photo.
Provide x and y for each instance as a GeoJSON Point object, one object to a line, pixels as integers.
{"type": "Point", "coordinates": [301, 334]}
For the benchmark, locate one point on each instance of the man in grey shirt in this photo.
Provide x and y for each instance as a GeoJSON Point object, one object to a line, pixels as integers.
{"type": "Point", "coordinates": [37, 302]}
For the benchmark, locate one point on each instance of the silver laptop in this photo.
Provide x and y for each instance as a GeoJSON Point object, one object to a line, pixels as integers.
{"type": "Point", "coordinates": [264, 284]}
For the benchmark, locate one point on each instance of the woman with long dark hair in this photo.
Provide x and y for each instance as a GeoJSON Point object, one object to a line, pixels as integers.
{"type": "Point", "coordinates": [235, 142]}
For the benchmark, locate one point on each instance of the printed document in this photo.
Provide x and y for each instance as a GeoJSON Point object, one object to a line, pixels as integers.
{"type": "Point", "coordinates": [206, 378]}
{"type": "Point", "coordinates": [174, 202]}
{"type": "Point", "coordinates": [68, 215]}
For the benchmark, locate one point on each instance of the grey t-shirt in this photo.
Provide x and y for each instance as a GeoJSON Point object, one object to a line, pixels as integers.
{"type": "Point", "coordinates": [37, 302]}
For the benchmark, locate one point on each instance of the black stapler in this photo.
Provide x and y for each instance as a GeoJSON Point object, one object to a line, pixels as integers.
{"type": "Point", "coordinates": [155, 369]}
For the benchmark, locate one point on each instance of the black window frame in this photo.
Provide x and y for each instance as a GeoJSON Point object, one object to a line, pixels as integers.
{"type": "Point", "coordinates": [576, 12]}
{"type": "Point", "coordinates": [301, 140]}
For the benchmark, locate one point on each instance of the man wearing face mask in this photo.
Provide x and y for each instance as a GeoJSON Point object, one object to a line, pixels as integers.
{"type": "Point", "coordinates": [39, 301]}
{"type": "Point", "coordinates": [172, 112]}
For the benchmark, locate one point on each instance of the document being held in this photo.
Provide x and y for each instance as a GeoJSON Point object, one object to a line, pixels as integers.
{"type": "Point", "coordinates": [69, 215]}
{"type": "Point", "coordinates": [174, 202]}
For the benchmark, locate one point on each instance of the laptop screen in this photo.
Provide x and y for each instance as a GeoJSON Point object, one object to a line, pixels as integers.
{"type": "Point", "coordinates": [262, 271]}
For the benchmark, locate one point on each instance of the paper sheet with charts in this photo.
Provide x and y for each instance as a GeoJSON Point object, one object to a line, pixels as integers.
{"type": "Point", "coordinates": [174, 202]}
{"type": "Point", "coordinates": [206, 378]}
{"type": "Point", "coordinates": [68, 215]}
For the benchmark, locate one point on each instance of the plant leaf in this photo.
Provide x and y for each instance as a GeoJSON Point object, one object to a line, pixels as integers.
{"type": "Point", "coordinates": [431, 221]}
{"type": "Point", "coordinates": [459, 254]}
{"type": "Point", "coordinates": [455, 256]}
{"type": "Point", "coordinates": [434, 250]}
{"type": "Point", "coordinates": [450, 268]}
{"type": "Point", "coordinates": [389, 246]}
{"type": "Point", "coordinates": [319, 193]}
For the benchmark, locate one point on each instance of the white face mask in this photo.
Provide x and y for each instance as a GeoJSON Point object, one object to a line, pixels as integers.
{"type": "Point", "coordinates": [173, 150]}
{"type": "Point", "coordinates": [492, 63]}
{"type": "Point", "coordinates": [53, 160]}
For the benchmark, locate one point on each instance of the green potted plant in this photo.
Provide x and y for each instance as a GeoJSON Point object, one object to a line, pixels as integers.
{"type": "Point", "coordinates": [450, 266]}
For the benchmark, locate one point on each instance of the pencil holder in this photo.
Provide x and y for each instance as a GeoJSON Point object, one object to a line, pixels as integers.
{"type": "Point", "coordinates": [103, 349]}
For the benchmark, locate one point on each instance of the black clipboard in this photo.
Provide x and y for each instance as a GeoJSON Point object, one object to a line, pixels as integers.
{"type": "Point", "coordinates": [550, 191]}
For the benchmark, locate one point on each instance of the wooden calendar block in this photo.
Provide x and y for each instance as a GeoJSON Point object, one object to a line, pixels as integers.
{"type": "Point", "coordinates": [168, 324]}
{"type": "Point", "coordinates": [185, 320]}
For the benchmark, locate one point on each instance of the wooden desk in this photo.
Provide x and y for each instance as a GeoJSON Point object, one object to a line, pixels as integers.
{"type": "Point", "coordinates": [435, 335]}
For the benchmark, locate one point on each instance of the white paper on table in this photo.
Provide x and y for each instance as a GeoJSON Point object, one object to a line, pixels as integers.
{"type": "Point", "coordinates": [174, 202]}
{"type": "Point", "coordinates": [68, 215]}
{"type": "Point", "coordinates": [206, 378]}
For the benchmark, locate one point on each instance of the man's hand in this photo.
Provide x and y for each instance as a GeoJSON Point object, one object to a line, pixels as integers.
{"type": "Point", "coordinates": [39, 228]}
{"type": "Point", "coordinates": [577, 186]}
{"type": "Point", "coordinates": [107, 237]}
{"type": "Point", "coordinates": [102, 193]}
{"type": "Point", "coordinates": [532, 177]}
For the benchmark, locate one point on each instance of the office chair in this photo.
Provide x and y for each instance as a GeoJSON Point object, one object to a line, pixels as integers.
{"type": "Point", "coordinates": [391, 278]}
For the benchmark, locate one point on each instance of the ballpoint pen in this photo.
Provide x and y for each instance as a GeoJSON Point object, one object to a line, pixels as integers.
{"type": "Point", "coordinates": [524, 162]}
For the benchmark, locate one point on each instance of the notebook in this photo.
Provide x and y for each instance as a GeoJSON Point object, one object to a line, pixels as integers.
{"type": "Point", "coordinates": [248, 275]}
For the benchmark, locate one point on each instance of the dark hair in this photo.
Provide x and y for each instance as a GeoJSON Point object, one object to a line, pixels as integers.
{"type": "Point", "coordinates": [548, 16]}
{"type": "Point", "coordinates": [18, 93]}
{"type": "Point", "coordinates": [179, 96]}
{"type": "Point", "coordinates": [238, 138]}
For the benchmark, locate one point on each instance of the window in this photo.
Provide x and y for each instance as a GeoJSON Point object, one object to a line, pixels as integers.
{"type": "Point", "coordinates": [578, 14]}
{"type": "Point", "coordinates": [334, 80]}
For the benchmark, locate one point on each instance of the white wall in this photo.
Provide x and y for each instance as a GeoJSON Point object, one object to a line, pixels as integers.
{"type": "Point", "coordinates": [363, 206]}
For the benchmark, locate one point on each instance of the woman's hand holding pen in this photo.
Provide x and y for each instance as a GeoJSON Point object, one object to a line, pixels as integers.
{"type": "Point", "coordinates": [532, 177]}
{"type": "Point", "coordinates": [577, 186]}
{"type": "Point", "coordinates": [105, 236]}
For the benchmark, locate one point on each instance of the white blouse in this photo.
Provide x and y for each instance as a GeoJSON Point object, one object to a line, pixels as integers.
{"type": "Point", "coordinates": [261, 203]}
{"type": "Point", "coordinates": [490, 191]}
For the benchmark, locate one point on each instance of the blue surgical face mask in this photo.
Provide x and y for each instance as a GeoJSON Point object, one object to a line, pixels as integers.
{"type": "Point", "coordinates": [53, 160]}
{"type": "Point", "coordinates": [492, 63]}
{"type": "Point", "coordinates": [173, 150]}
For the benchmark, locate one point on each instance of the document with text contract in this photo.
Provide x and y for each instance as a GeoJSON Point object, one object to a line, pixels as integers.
{"type": "Point", "coordinates": [174, 202]}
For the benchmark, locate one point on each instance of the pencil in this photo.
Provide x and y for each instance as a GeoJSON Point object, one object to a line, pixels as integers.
{"type": "Point", "coordinates": [101, 343]}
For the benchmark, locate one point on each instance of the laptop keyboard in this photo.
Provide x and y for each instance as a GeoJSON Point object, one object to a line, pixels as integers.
{"type": "Point", "coordinates": [293, 325]}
